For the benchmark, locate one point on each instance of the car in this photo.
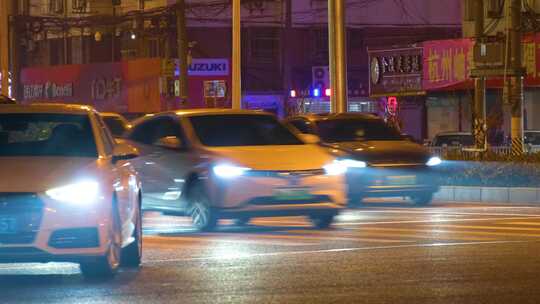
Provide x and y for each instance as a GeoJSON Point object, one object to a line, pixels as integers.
{"type": "Point", "coordinates": [68, 193]}
{"type": "Point", "coordinates": [118, 124]}
{"type": "Point", "coordinates": [211, 164]}
{"type": "Point", "coordinates": [388, 164]}
{"type": "Point", "coordinates": [453, 139]}
{"type": "Point", "coordinates": [532, 138]}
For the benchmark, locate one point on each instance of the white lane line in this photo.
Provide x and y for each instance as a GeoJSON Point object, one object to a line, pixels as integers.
{"type": "Point", "coordinates": [432, 221]}
{"type": "Point", "coordinates": [448, 212]}
{"type": "Point", "coordinates": [523, 223]}
{"type": "Point", "coordinates": [487, 227]}
{"type": "Point", "coordinates": [172, 240]}
{"type": "Point", "coordinates": [323, 251]}
{"type": "Point", "coordinates": [421, 234]}
{"type": "Point", "coordinates": [481, 233]}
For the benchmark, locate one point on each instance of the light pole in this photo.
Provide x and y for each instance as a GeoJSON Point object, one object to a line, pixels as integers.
{"type": "Point", "coordinates": [236, 56]}
{"type": "Point", "coordinates": [4, 49]}
{"type": "Point", "coordinates": [337, 55]}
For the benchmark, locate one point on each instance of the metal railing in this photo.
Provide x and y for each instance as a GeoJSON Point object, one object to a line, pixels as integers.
{"type": "Point", "coordinates": [501, 150]}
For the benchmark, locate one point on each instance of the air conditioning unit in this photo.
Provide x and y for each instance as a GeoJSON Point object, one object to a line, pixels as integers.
{"type": "Point", "coordinates": [320, 77]}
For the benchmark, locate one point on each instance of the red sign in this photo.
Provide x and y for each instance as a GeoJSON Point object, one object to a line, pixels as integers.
{"type": "Point", "coordinates": [446, 62]}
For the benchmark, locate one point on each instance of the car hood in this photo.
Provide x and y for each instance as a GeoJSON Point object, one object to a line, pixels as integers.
{"type": "Point", "coordinates": [38, 174]}
{"type": "Point", "coordinates": [275, 158]}
{"type": "Point", "coordinates": [379, 151]}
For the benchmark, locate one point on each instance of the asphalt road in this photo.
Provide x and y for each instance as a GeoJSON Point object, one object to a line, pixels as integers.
{"type": "Point", "coordinates": [381, 253]}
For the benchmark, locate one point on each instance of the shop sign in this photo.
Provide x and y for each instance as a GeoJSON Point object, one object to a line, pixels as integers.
{"type": "Point", "coordinates": [209, 67]}
{"type": "Point", "coordinates": [215, 89]}
{"type": "Point", "coordinates": [48, 90]}
{"type": "Point", "coordinates": [446, 62]}
{"type": "Point", "coordinates": [395, 71]}
{"type": "Point", "coordinates": [103, 88]}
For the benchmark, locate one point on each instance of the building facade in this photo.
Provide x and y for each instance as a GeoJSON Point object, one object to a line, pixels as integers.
{"type": "Point", "coordinates": [282, 42]}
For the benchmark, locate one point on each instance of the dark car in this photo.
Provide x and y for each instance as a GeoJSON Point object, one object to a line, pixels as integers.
{"type": "Point", "coordinates": [394, 166]}
{"type": "Point", "coordinates": [116, 123]}
{"type": "Point", "coordinates": [453, 139]}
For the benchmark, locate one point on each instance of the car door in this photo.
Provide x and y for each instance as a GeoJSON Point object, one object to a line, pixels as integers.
{"type": "Point", "coordinates": [162, 168]}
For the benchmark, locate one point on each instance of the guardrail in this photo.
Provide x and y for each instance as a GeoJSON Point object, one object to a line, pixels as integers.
{"type": "Point", "coordinates": [502, 150]}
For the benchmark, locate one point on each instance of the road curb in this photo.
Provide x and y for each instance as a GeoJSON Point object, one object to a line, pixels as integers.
{"type": "Point", "coordinates": [499, 195]}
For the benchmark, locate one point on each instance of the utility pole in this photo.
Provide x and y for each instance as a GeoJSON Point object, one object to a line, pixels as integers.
{"type": "Point", "coordinates": [479, 113]}
{"type": "Point", "coordinates": [285, 50]}
{"type": "Point", "coordinates": [182, 49]}
{"type": "Point", "coordinates": [338, 55]}
{"type": "Point", "coordinates": [4, 46]}
{"type": "Point", "coordinates": [237, 56]}
{"type": "Point", "coordinates": [514, 83]}
{"type": "Point", "coordinates": [65, 31]}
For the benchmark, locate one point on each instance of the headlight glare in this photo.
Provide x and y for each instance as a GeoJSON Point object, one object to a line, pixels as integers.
{"type": "Point", "coordinates": [229, 171]}
{"type": "Point", "coordinates": [335, 168]}
{"type": "Point", "coordinates": [84, 192]}
{"type": "Point", "coordinates": [351, 163]}
{"type": "Point", "coordinates": [434, 161]}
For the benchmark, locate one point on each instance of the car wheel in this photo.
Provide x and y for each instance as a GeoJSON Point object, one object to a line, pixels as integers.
{"type": "Point", "coordinates": [242, 221]}
{"type": "Point", "coordinates": [202, 215]}
{"type": "Point", "coordinates": [322, 221]}
{"type": "Point", "coordinates": [132, 254]}
{"type": "Point", "coordinates": [422, 199]}
{"type": "Point", "coordinates": [106, 266]}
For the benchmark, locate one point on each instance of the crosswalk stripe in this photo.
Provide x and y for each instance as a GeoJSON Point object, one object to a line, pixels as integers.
{"type": "Point", "coordinates": [413, 234]}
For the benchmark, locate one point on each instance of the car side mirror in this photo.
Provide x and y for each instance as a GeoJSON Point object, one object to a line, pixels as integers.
{"type": "Point", "coordinates": [170, 142]}
{"type": "Point", "coordinates": [124, 151]}
{"type": "Point", "coordinates": [310, 138]}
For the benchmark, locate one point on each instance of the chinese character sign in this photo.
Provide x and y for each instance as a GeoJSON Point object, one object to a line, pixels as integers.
{"type": "Point", "coordinates": [395, 71]}
{"type": "Point", "coordinates": [446, 62]}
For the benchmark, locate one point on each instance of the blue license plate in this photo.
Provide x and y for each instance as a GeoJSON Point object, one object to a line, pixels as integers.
{"type": "Point", "coordinates": [8, 225]}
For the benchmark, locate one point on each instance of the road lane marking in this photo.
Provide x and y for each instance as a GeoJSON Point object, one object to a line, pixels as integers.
{"type": "Point", "coordinates": [488, 227]}
{"type": "Point", "coordinates": [336, 250]}
{"type": "Point", "coordinates": [414, 234]}
{"type": "Point", "coordinates": [448, 212]}
{"type": "Point", "coordinates": [431, 221]}
{"type": "Point", "coordinates": [183, 239]}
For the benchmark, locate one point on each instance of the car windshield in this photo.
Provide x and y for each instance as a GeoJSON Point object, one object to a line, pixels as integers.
{"type": "Point", "coordinates": [115, 124]}
{"type": "Point", "coordinates": [46, 135]}
{"type": "Point", "coordinates": [242, 130]}
{"type": "Point", "coordinates": [454, 140]}
{"type": "Point", "coordinates": [342, 130]}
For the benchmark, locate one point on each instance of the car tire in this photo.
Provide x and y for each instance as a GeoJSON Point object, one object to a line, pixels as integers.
{"type": "Point", "coordinates": [242, 221]}
{"type": "Point", "coordinates": [107, 266]}
{"type": "Point", "coordinates": [132, 254]}
{"type": "Point", "coordinates": [322, 221]}
{"type": "Point", "coordinates": [422, 199]}
{"type": "Point", "coordinates": [203, 217]}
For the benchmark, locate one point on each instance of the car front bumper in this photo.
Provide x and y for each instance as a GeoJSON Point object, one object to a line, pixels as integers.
{"type": "Point", "coordinates": [260, 195]}
{"type": "Point", "coordinates": [50, 231]}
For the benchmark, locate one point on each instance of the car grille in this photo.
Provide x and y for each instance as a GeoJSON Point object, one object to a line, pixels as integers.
{"type": "Point", "coordinates": [27, 209]}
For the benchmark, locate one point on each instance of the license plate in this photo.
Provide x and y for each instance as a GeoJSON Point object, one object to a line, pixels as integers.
{"type": "Point", "coordinates": [292, 194]}
{"type": "Point", "coordinates": [8, 225]}
{"type": "Point", "coordinates": [401, 180]}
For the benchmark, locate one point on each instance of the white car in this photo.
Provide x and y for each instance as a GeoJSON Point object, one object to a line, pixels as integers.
{"type": "Point", "coordinates": [217, 163]}
{"type": "Point", "coordinates": [68, 193]}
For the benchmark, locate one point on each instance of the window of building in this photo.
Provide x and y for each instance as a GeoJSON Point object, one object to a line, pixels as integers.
{"type": "Point", "coordinates": [264, 46]}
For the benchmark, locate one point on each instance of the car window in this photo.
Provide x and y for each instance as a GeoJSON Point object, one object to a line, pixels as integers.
{"type": "Point", "coordinates": [454, 140]}
{"type": "Point", "coordinates": [150, 131]}
{"type": "Point", "coordinates": [301, 125]}
{"type": "Point", "coordinates": [532, 138]}
{"type": "Point", "coordinates": [343, 130]}
{"type": "Point", "coordinates": [242, 130]}
{"type": "Point", "coordinates": [25, 134]}
{"type": "Point", "coordinates": [116, 125]}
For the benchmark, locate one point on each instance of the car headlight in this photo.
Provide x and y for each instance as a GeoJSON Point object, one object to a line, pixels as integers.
{"type": "Point", "coordinates": [352, 163]}
{"type": "Point", "coordinates": [84, 192]}
{"type": "Point", "coordinates": [228, 171]}
{"type": "Point", "coordinates": [434, 161]}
